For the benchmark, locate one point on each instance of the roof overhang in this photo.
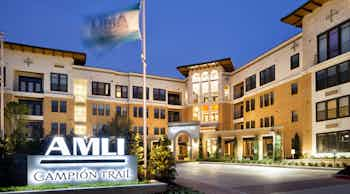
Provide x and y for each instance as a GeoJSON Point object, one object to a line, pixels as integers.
{"type": "Point", "coordinates": [78, 57]}
{"type": "Point", "coordinates": [226, 63]}
{"type": "Point", "coordinates": [296, 17]}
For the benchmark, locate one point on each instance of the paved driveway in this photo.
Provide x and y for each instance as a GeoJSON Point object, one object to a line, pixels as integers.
{"type": "Point", "coordinates": [227, 178]}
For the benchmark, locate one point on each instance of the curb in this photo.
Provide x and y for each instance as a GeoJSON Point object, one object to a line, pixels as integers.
{"type": "Point", "coordinates": [276, 166]}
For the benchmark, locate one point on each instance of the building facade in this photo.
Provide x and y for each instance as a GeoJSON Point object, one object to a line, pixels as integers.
{"type": "Point", "coordinates": [293, 99]}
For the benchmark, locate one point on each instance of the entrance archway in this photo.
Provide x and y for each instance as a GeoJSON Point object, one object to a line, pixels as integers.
{"type": "Point", "coordinates": [183, 146]}
{"type": "Point", "coordinates": [184, 139]}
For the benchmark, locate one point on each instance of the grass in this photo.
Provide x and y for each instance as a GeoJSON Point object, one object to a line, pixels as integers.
{"type": "Point", "coordinates": [64, 186]}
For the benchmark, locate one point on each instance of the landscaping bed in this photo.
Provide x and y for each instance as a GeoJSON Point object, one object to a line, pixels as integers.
{"type": "Point", "coordinates": [312, 163]}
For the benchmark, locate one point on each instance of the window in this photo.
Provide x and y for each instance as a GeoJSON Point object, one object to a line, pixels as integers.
{"type": "Point", "coordinates": [137, 92]}
{"type": "Point", "coordinates": [101, 110]}
{"type": "Point", "coordinates": [238, 110]}
{"type": "Point", "coordinates": [238, 91]}
{"type": "Point", "coordinates": [250, 83]}
{"type": "Point", "coordinates": [140, 111]}
{"type": "Point", "coordinates": [294, 61]}
{"type": "Point", "coordinates": [173, 116]}
{"type": "Point", "coordinates": [252, 124]}
{"type": "Point", "coordinates": [63, 128]}
{"type": "Point", "coordinates": [156, 113]}
{"type": "Point", "coordinates": [94, 109]}
{"type": "Point", "coordinates": [156, 131]}
{"type": "Point", "coordinates": [345, 37]}
{"type": "Point", "coordinates": [332, 109]}
{"type": "Point", "coordinates": [30, 84]}
{"type": "Point", "coordinates": [332, 76]}
{"type": "Point", "coordinates": [121, 111]}
{"type": "Point", "coordinates": [267, 75]}
{"type": "Point", "coordinates": [334, 141]}
{"type": "Point", "coordinates": [63, 106]}
{"type": "Point", "coordinates": [34, 107]}
{"type": "Point", "coordinates": [267, 122]}
{"type": "Point", "coordinates": [343, 103]}
{"type": "Point", "coordinates": [135, 111]}
{"type": "Point", "coordinates": [321, 111]}
{"type": "Point", "coordinates": [238, 126]}
{"type": "Point", "coordinates": [334, 42]}
{"type": "Point", "coordinates": [159, 94]}
{"type": "Point", "coordinates": [121, 91]}
{"type": "Point", "coordinates": [54, 128]}
{"type": "Point", "coordinates": [294, 116]}
{"type": "Point", "coordinates": [108, 110]}
{"type": "Point", "coordinates": [322, 48]}
{"type": "Point", "coordinates": [54, 106]}
{"type": "Point", "coordinates": [267, 100]}
{"type": "Point", "coordinates": [101, 89]}
{"type": "Point", "coordinates": [174, 99]}
{"type": "Point", "coordinates": [162, 131]}
{"type": "Point", "coordinates": [294, 88]}
{"type": "Point", "coordinates": [250, 105]}
{"type": "Point", "coordinates": [162, 114]}
{"type": "Point", "coordinates": [247, 106]}
{"type": "Point", "coordinates": [59, 82]}
{"type": "Point", "coordinates": [247, 125]}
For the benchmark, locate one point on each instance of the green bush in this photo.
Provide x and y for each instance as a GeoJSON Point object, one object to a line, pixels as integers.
{"type": "Point", "coordinates": [316, 164]}
{"type": "Point", "coordinates": [338, 165]}
{"type": "Point", "coordinates": [345, 164]}
{"type": "Point", "coordinates": [310, 164]}
{"type": "Point", "coordinates": [302, 163]}
{"type": "Point", "coordinates": [162, 161]}
{"type": "Point", "coordinates": [330, 165]}
{"type": "Point", "coordinates": [323, 164]}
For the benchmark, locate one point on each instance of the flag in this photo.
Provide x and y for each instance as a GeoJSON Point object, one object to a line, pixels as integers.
{"type": "Point", "coordinates": [108, 30]}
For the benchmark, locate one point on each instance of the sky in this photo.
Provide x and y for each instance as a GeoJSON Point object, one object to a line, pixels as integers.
{"type": "Point", "coordinates": [179, 32]}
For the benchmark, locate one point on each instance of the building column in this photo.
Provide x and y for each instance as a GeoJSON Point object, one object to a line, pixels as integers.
{"type": "Point", "coordinates": [260, 147]}
{"type": "Point", "coordinates": [194, 148]}
{"type": "Point", "coordinates": [239, 148]}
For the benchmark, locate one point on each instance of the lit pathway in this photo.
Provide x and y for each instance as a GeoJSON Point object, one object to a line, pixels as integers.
{"type": "Point", "coordinates": [226, 178]}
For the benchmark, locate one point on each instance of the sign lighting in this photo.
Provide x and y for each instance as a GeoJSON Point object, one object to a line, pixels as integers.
{"type": "Point", "coordinates": [90, 161]}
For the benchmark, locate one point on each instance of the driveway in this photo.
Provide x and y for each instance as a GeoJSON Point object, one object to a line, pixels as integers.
{"type": "Point", "coordinates": [219, 178]}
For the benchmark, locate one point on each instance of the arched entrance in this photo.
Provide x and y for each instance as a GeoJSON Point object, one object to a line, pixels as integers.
{"type": "Point", "coordinates": [184, 140]}
{"type": "Point", "coordinates": [183, 146]}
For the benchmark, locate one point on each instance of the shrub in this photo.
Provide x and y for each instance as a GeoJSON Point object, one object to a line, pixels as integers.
{"type": "Point", "coordinates": [330, 165]}
{"type": "Point", "coordinates": [316, 164]}
{"type": "Point", "coordinates": [162, 161]}
{"type": "Point", "coordinates": [345, 164]}
{"type": "Point", "coordinates": [338, 165]}
{"type": "Point", "coordinates": [310, 164]}
{"type": "Point", "coordinates": [323, 164]}
{"type": "Point", "coordinates": [302, 163]}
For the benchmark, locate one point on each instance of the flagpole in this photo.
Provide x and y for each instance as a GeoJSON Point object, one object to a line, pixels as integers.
{"type": "Point", "coordinates": [144, 65]}
{"type": "Point", "coordinates": [2, 108]}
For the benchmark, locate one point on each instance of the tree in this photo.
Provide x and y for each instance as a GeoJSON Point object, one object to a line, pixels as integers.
{"type": "Point", "coordinates": [200, 147]}
{"type": "Point", "coordinates": [15, 139]}
{"type": "Point", "coordinates": [296, 146]}
{"type": "Point", "coordinates": [136, 149]}
{"type": "Point", "coordinates": [120, 126]}
{"type": "Point", "coordinates": [218, 147]}
{"type": "Point", "coordinates": [162, 161]}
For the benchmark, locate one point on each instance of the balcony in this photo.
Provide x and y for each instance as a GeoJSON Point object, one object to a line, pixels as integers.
{"type": "Point", "coordinates": [35, 107]}
{"type": "Point", "coordinates": [238, 91]}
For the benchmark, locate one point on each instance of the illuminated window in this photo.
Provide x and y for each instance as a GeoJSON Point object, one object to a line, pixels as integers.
{"type": "Point", "coordinates": [196, 113]}
{"type": "Point", "coordinates": [79, 113]}
{"type": "Point", "coordinates": [205, 113]}
{"type": "Point", "coordinates": [80, 130]}
{"type": "Point", "coordinates": [196, 77]}
{"type": "Point", "coordinates": [205, 76]}
{"type": "Point", "coordinates": [196, 91]}
{"type": "Point", "coordinates": [227, 92]}
{"type": "Point", "coordinates": [214, 75]}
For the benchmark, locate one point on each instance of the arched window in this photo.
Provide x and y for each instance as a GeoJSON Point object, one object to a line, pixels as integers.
{"type": "Point", "coordinates": [196, 77]}
{"type": "Point", "coordinates": [214, 75]}
{"type": "Point", "coordinates": [205, 76]}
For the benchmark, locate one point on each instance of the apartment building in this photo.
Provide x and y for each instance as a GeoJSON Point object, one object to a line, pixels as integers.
{"type": "Point", "coordinates": [296, 93]}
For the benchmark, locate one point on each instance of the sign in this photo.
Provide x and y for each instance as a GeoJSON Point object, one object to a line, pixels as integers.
{"type": "Point", "coordinates": [89, 161]}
